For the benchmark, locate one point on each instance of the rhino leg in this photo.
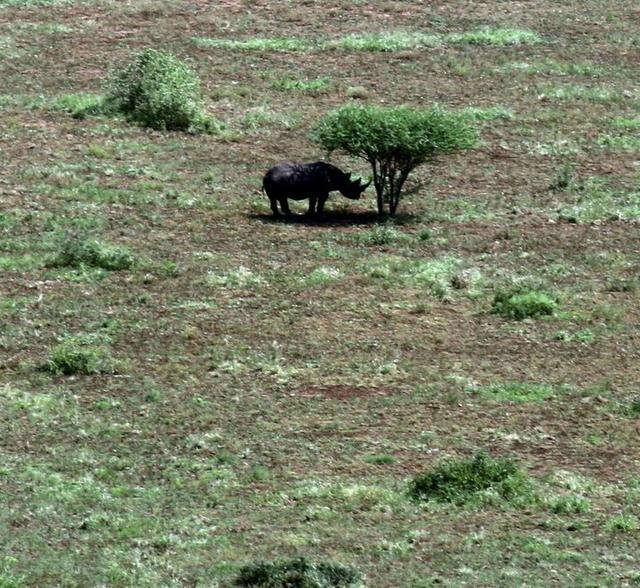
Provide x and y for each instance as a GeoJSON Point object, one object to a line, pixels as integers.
{"type": "Point", "coordinates": [274, 206]}
{"type": "Point", "coordinates": [321, 200]}
{"type": "Point", "coordinates": [284, 205]}
{"type": "Point", "coordinates": [312, 205]}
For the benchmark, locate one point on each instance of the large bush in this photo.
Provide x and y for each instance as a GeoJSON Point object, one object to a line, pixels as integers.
{"type": "Point", "coordinates": [158, 90]}
{"type": "Point", "coordinates": [394, 140]}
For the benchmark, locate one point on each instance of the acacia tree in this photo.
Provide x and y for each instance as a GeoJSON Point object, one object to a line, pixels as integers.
{"type": "Point", "coordinates": [394, 140]}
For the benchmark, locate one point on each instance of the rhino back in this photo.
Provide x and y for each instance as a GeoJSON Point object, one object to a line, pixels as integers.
{"type": "Point", "coordinates": [292, 178]}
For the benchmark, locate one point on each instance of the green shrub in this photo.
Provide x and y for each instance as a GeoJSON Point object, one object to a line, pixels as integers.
{"type": "Point", "coordinates": [519, 301]}
{"type": "Point", "coordinates": [158, 90]}
{"type": "Point", "coordinates": [76, 252]}
{"type": "Point", "coordinates": [297, 572]}
{"type": "Point", "coordinates": [394, 141]}
{"type": "Point", "coordinates": [463, 480]}
{"type": "Point", "coordinates": [80, 354]}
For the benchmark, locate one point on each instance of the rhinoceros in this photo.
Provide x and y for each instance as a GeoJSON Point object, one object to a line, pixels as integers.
{"type": "Point", "coordinates": [308, 180]}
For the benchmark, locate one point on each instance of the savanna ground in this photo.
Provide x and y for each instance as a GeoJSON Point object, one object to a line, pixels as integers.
{"type": "Point", "coordinates": [265, 390]}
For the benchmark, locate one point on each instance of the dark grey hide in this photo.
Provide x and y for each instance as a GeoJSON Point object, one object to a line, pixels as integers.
{"type": "Point", "coordinates": [308, 180]}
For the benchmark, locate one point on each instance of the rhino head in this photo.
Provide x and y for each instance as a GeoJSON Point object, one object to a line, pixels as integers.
{"type": "Point", "coordinates": [353, 189]}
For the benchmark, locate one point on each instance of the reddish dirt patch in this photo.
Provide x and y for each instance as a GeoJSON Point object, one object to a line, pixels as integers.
{"type": "Point", "coordinates": [343, 392]}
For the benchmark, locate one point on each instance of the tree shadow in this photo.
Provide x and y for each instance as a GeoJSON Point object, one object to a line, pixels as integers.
{"type": "Point", "coordinates": [334, 218]}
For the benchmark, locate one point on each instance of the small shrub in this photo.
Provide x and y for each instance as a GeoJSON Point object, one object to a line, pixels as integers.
{"type": "Point", "coordinates": [158, 90]}
{"type": "Point", "coordinates": [463, 480]}
{"type": "Point", "coordinates": [297, 572]}
{"type": "Point", "coordinates": [80, 354]}
{"type": "Point", "coordinates": [569, 504]}
{"type": "Point", "coordinates": [519, 301]}
{"type": "Point", "coordinates": [77, 252]}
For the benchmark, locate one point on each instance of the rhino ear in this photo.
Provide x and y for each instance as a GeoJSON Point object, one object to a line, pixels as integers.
{"type": "Point", "coordinates": [347, 175]}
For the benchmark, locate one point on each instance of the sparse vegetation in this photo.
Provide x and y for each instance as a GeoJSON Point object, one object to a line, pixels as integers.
{"type": "Point", "coordinates": [235, 390]}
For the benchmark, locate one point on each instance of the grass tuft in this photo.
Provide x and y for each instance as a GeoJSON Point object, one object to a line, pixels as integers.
{"type": "Point", "coordinates": [518, 301]}
{"type": "Point", "coordinates": [297, 572]}
{"type": "Point", "coordinates": [461, 481]}
{"type": "Point", "coordinates": [80, 354]}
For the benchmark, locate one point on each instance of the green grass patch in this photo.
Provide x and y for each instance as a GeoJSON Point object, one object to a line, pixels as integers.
{"type": "Point", "coordinates": [626, 123]}
{"type": "Point", "coordinates": [301, 85]}
{"type": "Point", "coordinates": [381, 234]}
{"type": "Point", "coordinates": [623, 143]}
{"type": "Point", "coordinates": [386, 41]}
{"type": "Point", "coordinates": [297, 572]}
{"type": "Point", "coordinates": [30, 3]}
{"type": "Point", "coordinates": [280, 44]}
{"type": "Point", "coordinates": [553, 67]}
{"type": "Point", "coordinates": [81, 354]}
{"type": "Point", "coordinates": [623, 523]}
{"type": "Point", "coordinates": [497, 37]}
{"type": "Point", "coordinates": [262, 118]}
{"type": "Point", "coordinates": [489, 113]}
{"type": "Point", "coordinates": [520, 301]}
{"type": "Point", "coordinates": [79, 105]}
{"type": "Point", "coordinates": [76, 252]}
{"type": "Point", "coordinates": [595, 199]}
{"type": "Point", "coordinates": [463, 481]}
{"type": "Point", "coordinates": [516, 392]}
{"type": "Point", "coordinates": [380, 459]}
{"type": "Point", "coordinates": [569, 504]}
{"type": "Point", "coordinates": [574, 92]}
